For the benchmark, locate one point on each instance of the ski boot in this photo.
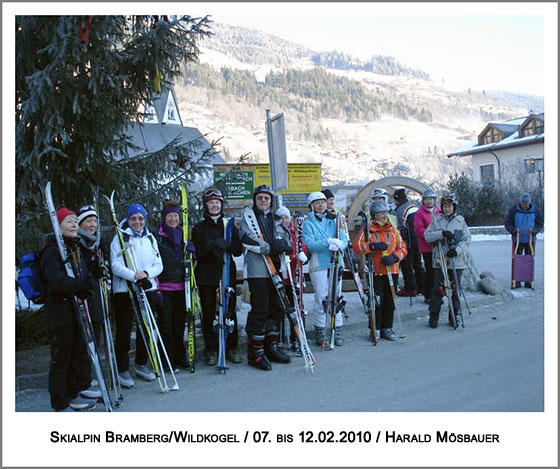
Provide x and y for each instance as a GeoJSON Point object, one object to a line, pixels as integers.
{"type": "Point", "coordinates": [433, 321]}
{"type": "Point", "coordinates": [255, 354]}
{"type": "Point", "coordinates": [320, 336]}
{"type": "Point", "coordinates": [272, 352]}
{"type": "Point", "coordinates": [338, 338]}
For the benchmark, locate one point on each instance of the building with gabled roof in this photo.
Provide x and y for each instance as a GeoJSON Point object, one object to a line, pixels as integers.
{"type": "Point", "coordinates": [162, 124]}
{"type": "Point", "coordinates": [518, 141]}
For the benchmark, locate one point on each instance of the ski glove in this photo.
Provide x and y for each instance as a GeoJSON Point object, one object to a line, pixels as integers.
{"type": "Point", "coordinates": [389, 260]}
{"type": "Point", "coordinates": [381, 246]}
{"type": "Point", "coordinates": [265, 247]}
{"type": "Point", "coordinates": [145, 284]}
{"type": "Point", "coordinates": [336, 242]}
{"type": "Point", "coordinates": [447, 234]}
{"type": "Point", "coordinates": [452, 253]}
{"type": "Point", "coordinates": [84, 294]}
{"type": "Point", "coordinates": [223, 244]}
{"type": "Point", "coordinates": [280, 245]}
{"type": "Point", "coordinates": [97, 269]}
{"type": "Point", "coordinates": [302, 257]}
{"type": "Point", "coordinates": [190, 247]}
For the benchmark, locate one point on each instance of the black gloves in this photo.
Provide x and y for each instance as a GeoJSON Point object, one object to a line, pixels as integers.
{"type": "Point", "coordinates": [97, 269]}
{"type": "Point", "coordinates": [144, 283]}
{"type": "Point", "coordinates": [280, 245]}
{"type": "Point", "coordinates": [447, 234]}
{"type": "Point", "coordinates": [381, 246]}
{"type": "Point", "coordinates": [223, 244]}
{"type": "Point", "coordinates": [389, 260]}
{"type": "Point", "coordinates": [452, 253]}
{"type": "Point", "coordinates": [84, 294]}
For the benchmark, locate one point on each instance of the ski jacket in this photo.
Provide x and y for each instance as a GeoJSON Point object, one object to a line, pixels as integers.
{"type": "Point", "coordinates": [422, 219]}
{"type": "Point", "coordinates": [401, 212]}
{"type": "Point", "coordinates": [381, 234]}
{"type": "Point", "coordinates": [523, 220]}
{"type": "Point", "coordinates": [210, 258]}
{"type": "Point", "coordinates": [143, 248]}
{"type": "Point", "coordinates": [87, 247]}
{"type": "Point", "coordinates": [172, 277]}
{"type": "Point", "coordinates": [317, 230]}
{"type": "Point", "coordinates": [434, 236]}
{"type": "Point", "coordinates": [272, 228]}
{"type": "Point", "coordinates": [59, 287]}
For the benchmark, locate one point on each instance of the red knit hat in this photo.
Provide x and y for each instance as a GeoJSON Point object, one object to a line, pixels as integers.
{"type": "Point", "coordinates": [63, 212]}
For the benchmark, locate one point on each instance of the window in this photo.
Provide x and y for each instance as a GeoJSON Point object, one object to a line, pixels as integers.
{"type": "Point", "coordinates": [533, 127]}
{"type": "Point", "coordinates": [491, 136]}
{"type": "Point", "coordinates": [487, 173]}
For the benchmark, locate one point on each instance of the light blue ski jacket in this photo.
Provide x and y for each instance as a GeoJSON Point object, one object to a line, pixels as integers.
{"type": "Point", "coordinates": [317, 229]}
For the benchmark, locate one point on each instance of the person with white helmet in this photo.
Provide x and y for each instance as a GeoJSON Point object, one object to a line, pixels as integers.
{"type": "Point", "coordinates": [387, 249]}
{"type": "Point", "coordinates": [265, 317]}
{"type": "Point", "coordinates": [422, 218]}
{"type": "Point", "coordinates": [381, 194]}
{"type": "Point", "coordinates": [319, 232]}
{"type": "Point", "coordinates": [451, 231]}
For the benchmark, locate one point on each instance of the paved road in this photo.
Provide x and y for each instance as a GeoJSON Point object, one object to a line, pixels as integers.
{"type": "Point", "coordinates": [494, 364]}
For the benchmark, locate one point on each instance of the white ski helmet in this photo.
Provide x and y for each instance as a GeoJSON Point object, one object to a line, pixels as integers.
{"type": "Point", "coordinates": [380, 193]}
{"type": "Point", "coordinates": [318, 195]}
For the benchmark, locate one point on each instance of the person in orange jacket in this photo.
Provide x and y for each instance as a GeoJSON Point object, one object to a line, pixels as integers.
{"type": "Point", "coordinates": [387, 249]}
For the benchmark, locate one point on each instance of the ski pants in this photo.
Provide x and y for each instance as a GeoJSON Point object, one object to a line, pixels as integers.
{"type": "Point", "coordinates": [320, 281]}
{"type": "Point", "coordinates": [429, 277]}
{"type": "Point", "coordinates": [438, 291]}
{"type": "Point", "coordinates": [209, 312]}
{"type": "Point", "coordinates": [70, 369]}
{"type": "Point", "coordinates": [266, 311]}
{"type": "Point", "coordinates": [171, 323]}
{"type": "Point", "coordinates": [384, 311]}
{"type": "Point", "coordinates": [124, 316]}
{"type": "Point", "coordinates": [412, 270]}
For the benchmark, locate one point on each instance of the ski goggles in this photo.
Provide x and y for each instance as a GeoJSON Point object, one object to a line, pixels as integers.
{"type": "Point", "coordinates": [447, 201]}
{"type": "Point", "coordinates": [213, 194]}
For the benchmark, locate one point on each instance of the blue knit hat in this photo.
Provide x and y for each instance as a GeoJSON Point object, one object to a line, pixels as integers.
{"type": "Point", "coordinates": [525, 197]}
{"type": "Point", "coordinates": [135, 208]}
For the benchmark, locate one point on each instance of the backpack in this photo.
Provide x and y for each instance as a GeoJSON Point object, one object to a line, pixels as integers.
{"type": "Point", "coordinates": [29, 280]}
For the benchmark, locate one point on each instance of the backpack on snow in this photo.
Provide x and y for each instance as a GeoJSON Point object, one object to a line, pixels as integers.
{"type": "Point", "coordinates": [29, 280]}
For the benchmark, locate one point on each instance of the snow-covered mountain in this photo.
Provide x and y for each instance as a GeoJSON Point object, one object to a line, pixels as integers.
{"type": "Point", "coordinates": [413, 142]}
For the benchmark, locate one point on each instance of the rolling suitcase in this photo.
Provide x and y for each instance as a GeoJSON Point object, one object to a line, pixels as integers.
{"type": "Point", "coordinates": [523, 265]}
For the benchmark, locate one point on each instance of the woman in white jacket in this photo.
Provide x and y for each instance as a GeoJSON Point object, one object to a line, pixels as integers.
{"type": "Point", "coordinates": [143, 250]}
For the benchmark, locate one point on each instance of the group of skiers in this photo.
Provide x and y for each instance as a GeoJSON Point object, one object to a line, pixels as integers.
{"type": "Point", "coordinates": [272, 242]}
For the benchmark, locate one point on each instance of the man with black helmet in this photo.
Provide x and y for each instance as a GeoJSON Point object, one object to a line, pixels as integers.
{"type": "Point", "coordinates": [330, 200]}
{"type": "Point", "coordinates": [412, 270]}
{"type": "Point", "coordinates": [264, 318]}
{"type": "Point", "coordinates": [451, 231]}
{"type": "Point", "coordinates": [210, 245]}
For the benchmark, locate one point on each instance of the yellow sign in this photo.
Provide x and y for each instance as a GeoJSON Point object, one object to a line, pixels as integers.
{"type": "Point", "coordinates": [302, 178]}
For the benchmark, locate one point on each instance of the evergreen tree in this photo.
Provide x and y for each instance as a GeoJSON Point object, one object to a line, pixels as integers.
{"type": "Point", "coordinates": [80, 81]}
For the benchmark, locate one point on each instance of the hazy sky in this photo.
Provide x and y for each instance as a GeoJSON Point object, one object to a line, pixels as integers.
{"type": "Point", "coordinates": [504, 49]}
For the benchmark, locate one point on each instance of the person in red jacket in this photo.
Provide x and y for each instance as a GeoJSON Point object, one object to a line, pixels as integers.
{"type": "Point", "coordinates": [422, 218]}
{"type": "Point", "coordinates": [387, 249]}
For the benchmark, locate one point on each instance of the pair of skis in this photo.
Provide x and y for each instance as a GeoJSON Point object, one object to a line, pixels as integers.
{"type": "Point", "coordinates": [291, 312]}
{"type": "Point", "coordinates": [112, 369]}
{"type": "Point", "coordinates": [80, 306]}
{"type": "Point", "coordinates": [192, 299]}
{"type": "Point", "coordinates": [223, 323]}
{"type": "Point", "coordinates": [144, 314]}
{"type": "Point", "coordinates": [369, 271]}
{"type": "Point", "coordinates": [334, 302]}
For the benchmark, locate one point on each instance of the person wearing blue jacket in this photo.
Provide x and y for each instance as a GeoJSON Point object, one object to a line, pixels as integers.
{"type": "Point", "coordinates": [523, 218]}
{"type": "Point", "coordinates": [319, 234]}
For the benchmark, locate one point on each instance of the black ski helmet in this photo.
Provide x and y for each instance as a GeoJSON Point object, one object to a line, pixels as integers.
{"type": "Point", "coordinates": [212, 194]}
{"type": "Point", "coordinates": [263, 189]}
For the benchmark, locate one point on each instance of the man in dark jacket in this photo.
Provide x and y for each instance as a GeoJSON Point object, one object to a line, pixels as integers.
{"type": "Point", "coordinates": [521, 220]}
{"type": "Point", "coordinates": [210, 245]}
{"type": "Point", "coordinates": [412, 270]}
